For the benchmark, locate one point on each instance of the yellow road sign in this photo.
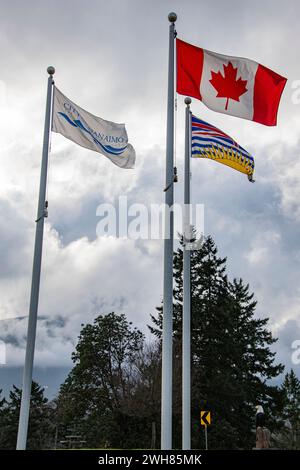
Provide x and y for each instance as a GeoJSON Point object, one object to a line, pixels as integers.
{"type": "Point", "coordinates": [205, 418]}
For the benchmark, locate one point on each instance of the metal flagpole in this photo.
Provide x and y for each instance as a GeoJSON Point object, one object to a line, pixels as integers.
{"type": "Point", "coordinates": [166, 390]}
{"type": "Point", "coordinates": [186, 321]}
{"type": "Point", "coordinates": [36, 274]}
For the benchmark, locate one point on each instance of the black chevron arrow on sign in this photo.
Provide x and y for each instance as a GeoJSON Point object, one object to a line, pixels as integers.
{"type": "Point", "coordinates": [205, 418]}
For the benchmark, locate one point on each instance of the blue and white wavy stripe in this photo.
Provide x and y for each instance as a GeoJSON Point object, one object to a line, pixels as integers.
{"type": "Point", "coordinates": [107, 148]}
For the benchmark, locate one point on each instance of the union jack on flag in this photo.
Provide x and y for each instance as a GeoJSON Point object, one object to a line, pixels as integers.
{"type": "Point", "coordinates": [210, 142]}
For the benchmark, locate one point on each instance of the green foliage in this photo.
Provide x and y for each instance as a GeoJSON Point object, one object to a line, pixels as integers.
{"type": "Point", "coordinates": [289, 436]}
{"type": "Point", "coordinates": [2, 403]}
{"type": "Point", "coordinates": [231, 356]}
{"type": "Point", "coordinates": [2, 413]}
{"type": "Point", "coordinates": [40, 429]}
{"type": "Point", "coordinates": [106, 388]}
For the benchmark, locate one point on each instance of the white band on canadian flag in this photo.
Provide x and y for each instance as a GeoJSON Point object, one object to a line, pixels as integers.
{"type": "Point", "coordinates": [241, 71]}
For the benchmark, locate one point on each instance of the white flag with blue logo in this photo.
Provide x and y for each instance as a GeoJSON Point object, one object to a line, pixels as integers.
{"type": "Point", "coordinates": [89, 131]}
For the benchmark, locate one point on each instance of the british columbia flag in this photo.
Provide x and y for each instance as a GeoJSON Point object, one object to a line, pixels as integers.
{"type": "Point", "coordinates": [210, 142]}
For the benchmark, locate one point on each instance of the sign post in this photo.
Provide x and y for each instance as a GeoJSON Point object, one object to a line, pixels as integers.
{"type": "Point", "coordinates": [205, 420]}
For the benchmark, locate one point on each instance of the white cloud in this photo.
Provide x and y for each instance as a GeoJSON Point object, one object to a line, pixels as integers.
{"type": "Point", "coordinates": [262, 248]}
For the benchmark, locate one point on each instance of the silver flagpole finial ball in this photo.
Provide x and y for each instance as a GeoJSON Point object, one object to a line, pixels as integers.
{"type": "Point", "coordinates": [51, 70]}
{"type": "Point", "coordinates": [172, 17]}
{"type": "Point", "coordinates": [187, 101]}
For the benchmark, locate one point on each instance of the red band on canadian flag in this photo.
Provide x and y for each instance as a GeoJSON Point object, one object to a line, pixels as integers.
{"type": "Point", "coordinates": [189, 69]}
{"type": "Point", "coordinates": [268, 89]}
{"type": "Point", "coordinates": [230, 85]}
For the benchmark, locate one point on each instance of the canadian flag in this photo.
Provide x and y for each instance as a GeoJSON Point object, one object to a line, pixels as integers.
{"type": "Point", "coordinates": [231, 85]}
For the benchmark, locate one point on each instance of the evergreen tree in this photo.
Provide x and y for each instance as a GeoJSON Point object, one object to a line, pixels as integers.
{"type": "Point", "coordinates": [291, 410]}
{"type": "Point", "coordinates": [2, 403]}
{"type": "Point", "coordinates": [40, 428]}
{"type": "Point", "coordinates": [231, 356]}
{"type": "Point", "coordinates": [2, 414]}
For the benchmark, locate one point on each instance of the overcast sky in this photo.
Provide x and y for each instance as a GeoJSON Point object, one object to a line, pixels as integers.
{"type": "Point", "coordinates": [111, 59]}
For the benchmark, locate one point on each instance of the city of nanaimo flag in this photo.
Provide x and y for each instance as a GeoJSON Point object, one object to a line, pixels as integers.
{"type": "Point", "coordinates": [210, 142]}
{"type": "Point", "coordinates": [92, 132]}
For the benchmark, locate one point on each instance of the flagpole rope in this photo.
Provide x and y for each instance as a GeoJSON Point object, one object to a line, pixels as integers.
{"type": "Point", "coordinates": [175, 178]}
{"type": "Point", "coordinates": [50, 146]}
{"type": "Point", "coordinates": [175, 132]}
{"type": "Point", "coordinates": [175, 117]}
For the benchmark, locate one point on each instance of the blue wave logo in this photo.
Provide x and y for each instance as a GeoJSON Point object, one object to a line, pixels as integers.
{"type": "Point", "coordinates": [106, 148]}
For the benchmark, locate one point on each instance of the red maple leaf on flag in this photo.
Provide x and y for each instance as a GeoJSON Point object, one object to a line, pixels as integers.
{"type": "Point", "coordinates": [228, 86]}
